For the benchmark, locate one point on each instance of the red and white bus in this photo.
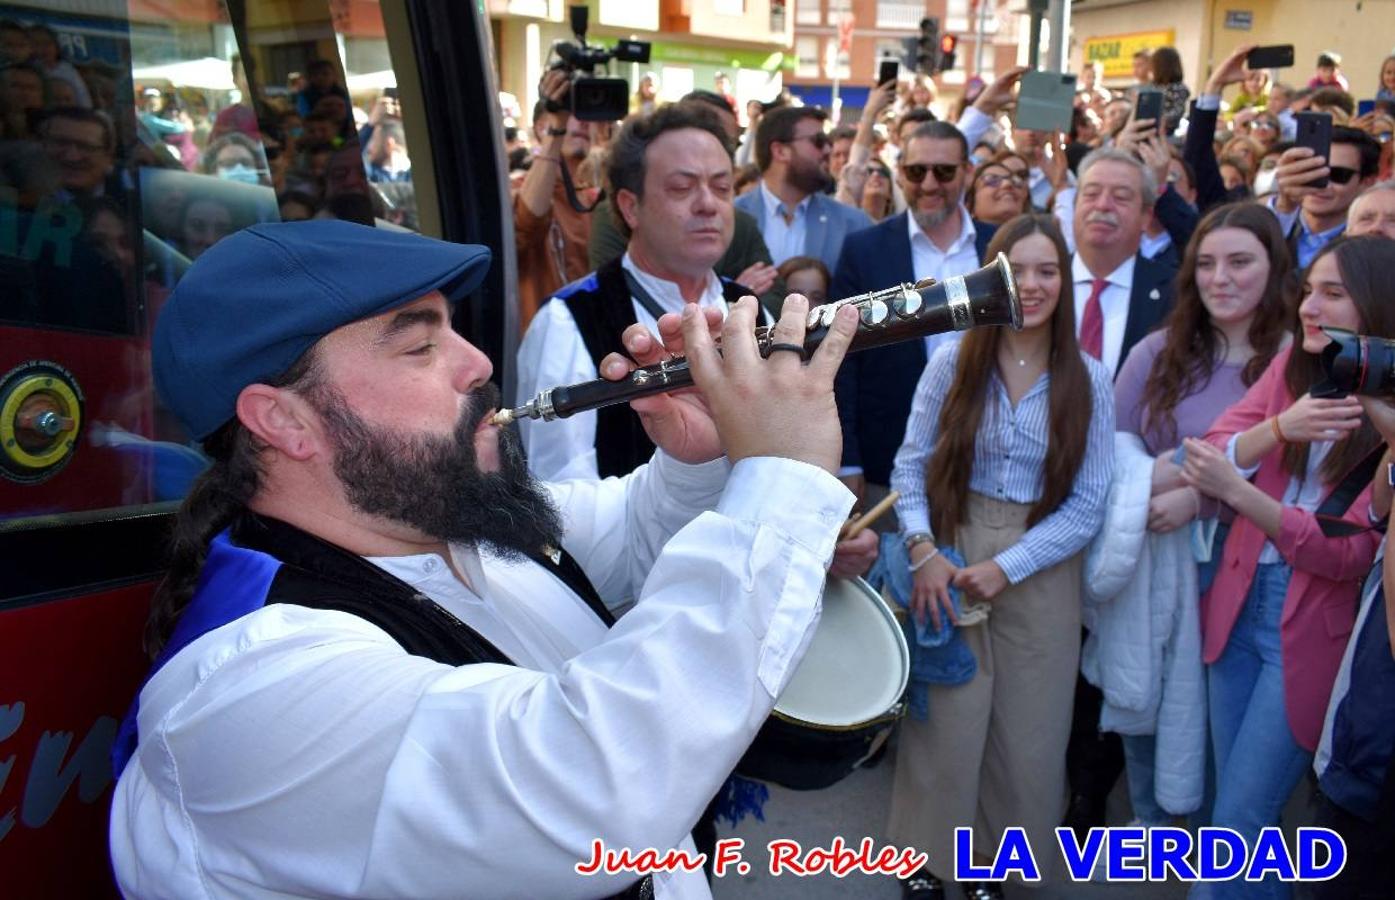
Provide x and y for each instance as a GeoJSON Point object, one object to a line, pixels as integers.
{"type": "Point", "coordinates": [157, 128]}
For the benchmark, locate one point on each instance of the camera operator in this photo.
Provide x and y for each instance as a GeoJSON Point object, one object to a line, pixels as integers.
{"type": "Point", "coordinates": [1355, 761]}
{"type": "Point", "coordinates": [551, 235]}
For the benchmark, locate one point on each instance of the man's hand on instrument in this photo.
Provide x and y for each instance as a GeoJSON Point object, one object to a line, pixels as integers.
{"type": "Point", "coordinates": [679, 421]}
{"type": "Point", "coordinates": [779, 406]}
{"type": "Point", "coordinates": [854, 556]}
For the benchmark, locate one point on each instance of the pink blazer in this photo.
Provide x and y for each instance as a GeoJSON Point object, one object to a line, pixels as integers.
{"type": "Point", "coordinates": [1320, 606]}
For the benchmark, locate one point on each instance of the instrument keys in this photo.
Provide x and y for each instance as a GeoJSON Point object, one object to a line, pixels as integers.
{"type": "Point", "coordinates": [874, 312]}
{"type": "Point", "coordinates": [909, 303]}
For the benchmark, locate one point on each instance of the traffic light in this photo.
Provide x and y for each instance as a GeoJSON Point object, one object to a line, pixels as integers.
{"type": "Point", "coordinates": [947, 44]}
{"type": "Point", "coordinates": [927, 52]}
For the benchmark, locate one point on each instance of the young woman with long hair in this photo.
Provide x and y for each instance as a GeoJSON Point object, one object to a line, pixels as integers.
{"type": "Point", "coordinates": [1229, 320]}
{"type": "Point", "coordinates": [1008, 454]}
{"type": "Point", "coordinates": [1276, 620]}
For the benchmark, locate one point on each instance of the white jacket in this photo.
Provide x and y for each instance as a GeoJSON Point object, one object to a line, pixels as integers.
{"type": "Point", "coordinates": [1144, 646]}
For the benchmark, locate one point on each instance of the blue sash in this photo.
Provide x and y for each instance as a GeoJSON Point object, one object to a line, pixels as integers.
{"type": "Point", "coordinates": [234, 582]}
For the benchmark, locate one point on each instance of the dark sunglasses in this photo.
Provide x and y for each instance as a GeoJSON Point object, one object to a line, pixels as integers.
{"type": "Point", "coordinates": [944, 172]}
{"type": "Point", "coordinates": [994, 179]}
{"type": "Point", "coordinates": [879, 170]}
{"type": "Point", "coordinates": [1341, 174]}
{"type": "Point", "coordinates": [818, 139]}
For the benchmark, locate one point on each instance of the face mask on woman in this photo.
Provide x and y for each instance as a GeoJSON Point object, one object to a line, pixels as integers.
{"type": "Point", "coordinates": [239, 172]}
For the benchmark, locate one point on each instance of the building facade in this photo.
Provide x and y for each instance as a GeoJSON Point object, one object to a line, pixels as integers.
{"type": "Point", "coordinates": [1206, 31]}
{"type": "Point", "coordinates": [879, 29]}
{"type": "Point", "coordinates": [693, 41]}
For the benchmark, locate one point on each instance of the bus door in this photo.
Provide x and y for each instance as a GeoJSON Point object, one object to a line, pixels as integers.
{"type": "Point", "coordinates": [135, 135]}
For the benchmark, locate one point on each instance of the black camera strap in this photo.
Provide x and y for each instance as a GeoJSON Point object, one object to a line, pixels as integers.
{"type": "Point", "coordinates": [572, 196]}
{"type": "Point", "coordinates": [1329, 514]}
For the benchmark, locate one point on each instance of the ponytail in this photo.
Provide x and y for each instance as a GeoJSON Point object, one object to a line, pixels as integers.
{"type": "Point", "coordinates": [218, 497]}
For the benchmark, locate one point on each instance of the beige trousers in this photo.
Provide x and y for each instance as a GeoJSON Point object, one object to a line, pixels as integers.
{"type": "Point", "coordinates": [993, 752]}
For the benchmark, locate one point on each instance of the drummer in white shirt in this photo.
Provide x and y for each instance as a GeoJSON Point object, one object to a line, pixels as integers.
{"type": "Point", "coordinates": [296, 740]}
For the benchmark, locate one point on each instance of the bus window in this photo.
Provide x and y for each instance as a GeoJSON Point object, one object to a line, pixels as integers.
{"type": "Point", "coordinates": [130, 146]}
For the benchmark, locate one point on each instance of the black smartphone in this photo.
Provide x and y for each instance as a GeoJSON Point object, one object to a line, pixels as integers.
{"type": "Point", "coordinates": [1315, 133]}
{"type": "Point", "coordinates": [1148, 104]}
{"type": "Point", "coordinates": [889, 70]}
{"type": "Point", "coordinates": [1277, 56]}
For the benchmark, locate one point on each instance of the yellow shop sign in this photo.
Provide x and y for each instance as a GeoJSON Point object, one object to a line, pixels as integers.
{"type": "Point", "coordinates": [1115, 51]}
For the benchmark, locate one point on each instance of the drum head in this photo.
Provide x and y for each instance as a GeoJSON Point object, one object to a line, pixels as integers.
{"type": "Point", "coordinates": [857, 664]}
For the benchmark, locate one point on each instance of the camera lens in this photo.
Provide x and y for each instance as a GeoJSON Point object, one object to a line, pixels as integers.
{"type": "Point", "coordinates": [1357, 364]}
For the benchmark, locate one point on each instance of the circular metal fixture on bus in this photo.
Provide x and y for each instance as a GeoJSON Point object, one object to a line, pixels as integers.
{"type": "Point", "coordinates": [40, 418]}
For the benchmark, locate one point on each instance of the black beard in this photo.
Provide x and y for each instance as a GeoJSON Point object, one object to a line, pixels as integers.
{"type": "Point", "coordinates": [433, 483]}
{"type": "Point", "coordinates": [811, 179]}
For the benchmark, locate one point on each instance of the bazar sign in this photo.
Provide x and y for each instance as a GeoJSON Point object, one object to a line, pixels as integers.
{"type": "Point", "coordinates": [1115, 51]}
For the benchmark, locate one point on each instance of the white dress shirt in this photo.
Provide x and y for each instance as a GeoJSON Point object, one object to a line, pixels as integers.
{"type": "Point", "coordinates": [785, 240]}
{"type": "Point", "coordinates": [929, 261]}
{"type": "Point", "coordinates": [553, 354]}
{"type": "Point", "coordinates": [1306, 493]}
{"type": "Point", "coordinates": [301, 752]}
{"type": "Point", "coordinates": [1114, 306]}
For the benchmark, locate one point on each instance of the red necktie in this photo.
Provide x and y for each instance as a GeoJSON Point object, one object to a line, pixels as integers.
{"type": "Point", "coordinates": [1092, 325]}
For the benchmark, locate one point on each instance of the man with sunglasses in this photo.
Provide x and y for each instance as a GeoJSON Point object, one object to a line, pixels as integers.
{"type": "Point", "coordinates": [1311, 216]}
{"type": "Point", "coordinates": [934, 238]}
{"type": "Point", "coordinates": [796, 217]}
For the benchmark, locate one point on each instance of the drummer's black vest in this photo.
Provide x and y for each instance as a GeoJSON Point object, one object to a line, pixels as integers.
{"type": "Point", "coordinates": [318, 574]}
{"type": "Point", "coordinates": [602, 307]}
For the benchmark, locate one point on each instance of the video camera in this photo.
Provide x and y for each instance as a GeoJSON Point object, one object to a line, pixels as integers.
{"type": "Point", "coordinates": [594, 99]}
{"type": "Point", "coordinates": [1357, 364]}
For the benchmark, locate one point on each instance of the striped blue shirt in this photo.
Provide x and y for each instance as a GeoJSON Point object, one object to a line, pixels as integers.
{"type": "Point", "coordinates": [1009, 458]}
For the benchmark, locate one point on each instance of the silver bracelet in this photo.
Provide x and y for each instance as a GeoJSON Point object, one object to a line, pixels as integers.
{"type": "Point", "coordinates": [916, 567]}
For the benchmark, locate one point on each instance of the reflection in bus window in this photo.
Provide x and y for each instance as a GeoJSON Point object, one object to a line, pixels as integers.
{"type": "Point", "coordinates": [131, 143]}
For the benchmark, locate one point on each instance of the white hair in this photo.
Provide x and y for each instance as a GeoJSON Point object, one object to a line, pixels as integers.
{"type": "Point", "coordinates": [1147, 180]}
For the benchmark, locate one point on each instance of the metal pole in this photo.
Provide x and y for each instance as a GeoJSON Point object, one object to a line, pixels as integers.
{"type": "Point", "coordinates": [1059, 50]}
{"type": "Point", "coordinates": [1037, 9]}
{"type": "Point", "coordinates": [978, 39]}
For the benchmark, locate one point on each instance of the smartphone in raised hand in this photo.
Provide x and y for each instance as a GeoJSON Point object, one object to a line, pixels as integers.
{"type": "Point", "coordinates": [1277, 56]}
{"type": "Point", "coordinates": [1148, 104]}
{"type": "Point", "coordinates": [1315, 133]}
{"type": "Point", "coordinates": [889, 70]}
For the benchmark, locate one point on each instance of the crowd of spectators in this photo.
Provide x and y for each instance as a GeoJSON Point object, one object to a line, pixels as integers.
{"type": "Point", "coordinates": [172, 169]}
{"type": "Point", "coordinates": [1175, 275]}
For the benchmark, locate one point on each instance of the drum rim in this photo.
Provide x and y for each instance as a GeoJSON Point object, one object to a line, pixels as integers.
{"type": "Point", "coordinates": [898, 708]}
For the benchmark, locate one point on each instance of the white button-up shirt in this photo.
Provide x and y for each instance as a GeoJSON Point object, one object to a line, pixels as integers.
{"type": "Point", "coordinates": [302, 752]}
{"type": "Point", "coordinates": [785, 240]}
{"type": "Point", "coordinates": [1114, 306]}
{"type": "Point", "coordinates": [553, 354]}
{"type": "Point", "coordinates": [929, 261]}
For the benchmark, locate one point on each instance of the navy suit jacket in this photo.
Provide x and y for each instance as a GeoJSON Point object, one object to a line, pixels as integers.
{"type": "Point", "coordinates": [875, 387]}
{"type": "Point", "coordinates": [1150, 300]}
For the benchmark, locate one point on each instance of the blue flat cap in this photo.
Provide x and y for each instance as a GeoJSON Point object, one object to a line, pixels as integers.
{"type": "Point", "coordinates": [258, 299]}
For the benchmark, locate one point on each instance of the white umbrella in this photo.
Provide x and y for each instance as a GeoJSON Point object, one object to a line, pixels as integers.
{"type": "Point", "coordinates": [210, 73]}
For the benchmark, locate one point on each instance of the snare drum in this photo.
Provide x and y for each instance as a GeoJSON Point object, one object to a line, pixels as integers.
{"type": "Point", "coordinates": [843, 699]}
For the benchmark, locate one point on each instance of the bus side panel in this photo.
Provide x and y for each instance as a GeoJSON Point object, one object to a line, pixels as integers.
{"type": "Point", "coordinates": [108, 467]}
{"type": "Point", "coordinates": [69, 670]}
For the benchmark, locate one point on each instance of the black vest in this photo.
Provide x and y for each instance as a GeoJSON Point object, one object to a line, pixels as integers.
{"type": "Point", "coordinates": [602, 308]}
{"type": "Point", "coordinates": [320, 575]}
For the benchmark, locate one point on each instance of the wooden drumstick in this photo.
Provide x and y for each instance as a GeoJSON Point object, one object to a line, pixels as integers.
{"type": "Point", "coordinates": [854, 527]}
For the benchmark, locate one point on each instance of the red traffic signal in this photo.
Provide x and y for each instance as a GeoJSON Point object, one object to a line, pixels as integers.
{"type": "Point", "coordinates": [948, 43]}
